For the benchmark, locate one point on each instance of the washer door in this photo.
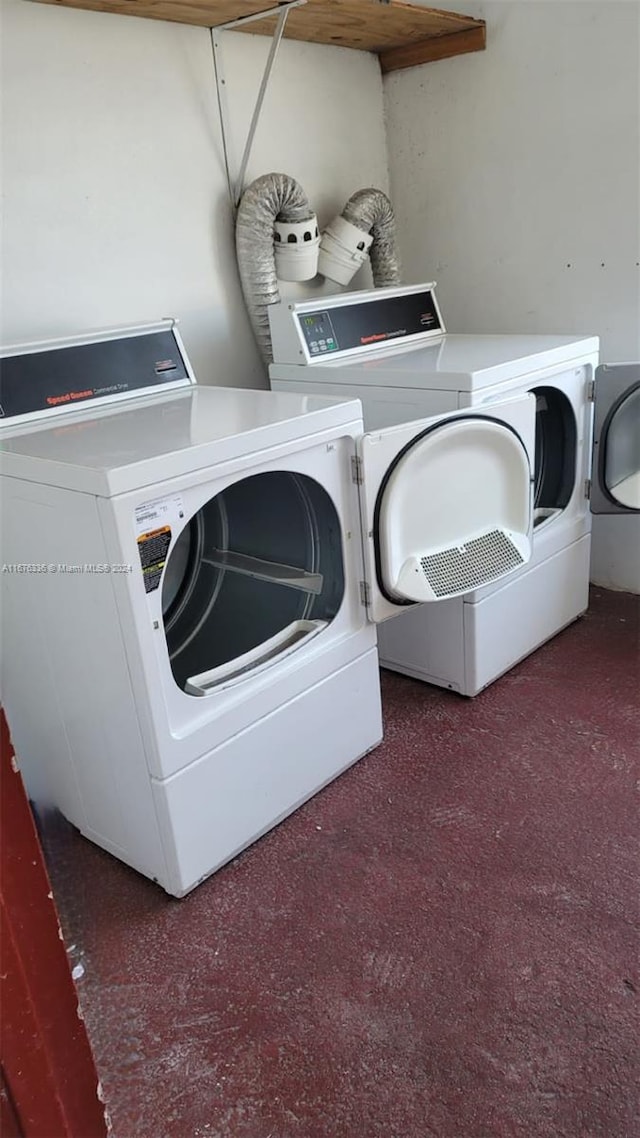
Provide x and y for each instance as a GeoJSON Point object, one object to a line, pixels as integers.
{"type": "Point", "coordinates": [256, 572]}
{"type": "Point", "coordinates": [447, 504]}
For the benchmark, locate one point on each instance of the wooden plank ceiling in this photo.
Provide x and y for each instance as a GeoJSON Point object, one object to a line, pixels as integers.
{"type": "Point", "coordinates": [402, 35]}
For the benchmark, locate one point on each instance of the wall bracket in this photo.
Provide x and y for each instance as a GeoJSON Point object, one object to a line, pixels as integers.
{"type": "Point", "coordinates": [281, 11]}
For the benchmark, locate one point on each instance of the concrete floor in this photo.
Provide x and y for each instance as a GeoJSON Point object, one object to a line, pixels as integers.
{"type": "Point", "coordinates": [442, 943]}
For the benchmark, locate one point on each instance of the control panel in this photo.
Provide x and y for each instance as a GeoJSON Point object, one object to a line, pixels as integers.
{"type": "Point", "coordinates": [319, 333]}
{"type": "Point", "coordinates": [39, 380]}
{"type": "Point", "coordinates": [354, 323]}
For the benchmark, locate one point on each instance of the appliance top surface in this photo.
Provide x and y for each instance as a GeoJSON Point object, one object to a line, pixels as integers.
{"type": "Point", "coordinates": [460, 362]}
{"type": "Point", "coordinates": [157, 438]}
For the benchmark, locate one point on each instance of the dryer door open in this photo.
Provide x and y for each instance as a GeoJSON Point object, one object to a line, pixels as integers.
{"type": "Point", "coordinates": [615, 471]}
{"type": "Point", "coordinates": [447, 504]}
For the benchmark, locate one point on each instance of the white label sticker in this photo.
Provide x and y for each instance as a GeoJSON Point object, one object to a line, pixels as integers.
{"type": "Point", "coordinates": [160, 512]}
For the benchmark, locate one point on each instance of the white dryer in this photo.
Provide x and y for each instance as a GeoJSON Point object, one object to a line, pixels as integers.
{"type": "Point", "coordinates": [389, 348]}
{"type": "Point", "coordinates": [192, 578]}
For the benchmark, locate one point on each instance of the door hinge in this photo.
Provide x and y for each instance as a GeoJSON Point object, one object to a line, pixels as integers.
{"type": "Point", "coordinates": [356, 469]}
{"type": "Point", "coordinates": [365, 593]}
{"type": "Point", "coordinates": [591, 391]}
{"type": "Point", "coordinates": [587, 488]}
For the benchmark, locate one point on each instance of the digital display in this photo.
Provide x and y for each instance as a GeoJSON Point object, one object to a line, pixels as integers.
{"type": "Point", "coordinates": [319, 333]}
{"type": "Point", "coordinates": [371, 322]}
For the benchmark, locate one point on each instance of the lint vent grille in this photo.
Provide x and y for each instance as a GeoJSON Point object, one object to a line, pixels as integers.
{"type": "Point", "coordinates": [461, 568]}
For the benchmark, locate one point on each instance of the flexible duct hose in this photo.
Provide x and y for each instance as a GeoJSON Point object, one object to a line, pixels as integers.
{"type": "Point", "coordinates": [371, 211]}
{"type": "Point", "coordinates": [277, 197]}
{"type": "Point", "coordinates": [271, 198]}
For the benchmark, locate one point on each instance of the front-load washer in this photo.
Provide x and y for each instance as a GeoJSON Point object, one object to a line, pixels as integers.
{"type": "Point", "coordinates": [389, 348]}
{"type": "Point", "coordinates": [192, 578]}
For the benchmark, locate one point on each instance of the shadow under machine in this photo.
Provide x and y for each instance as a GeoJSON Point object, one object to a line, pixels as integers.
{"type": "Point", "coordinates": [389, 348]}
{"type": "Point", "coordinates": [194, 576]}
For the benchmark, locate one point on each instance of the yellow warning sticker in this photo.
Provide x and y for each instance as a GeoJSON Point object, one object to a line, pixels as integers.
{"type": "Point", "coordinates": [152, 549]}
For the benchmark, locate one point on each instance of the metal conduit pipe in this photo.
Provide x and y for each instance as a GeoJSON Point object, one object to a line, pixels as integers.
{"type": "Point", "coordinates": [270, 198]}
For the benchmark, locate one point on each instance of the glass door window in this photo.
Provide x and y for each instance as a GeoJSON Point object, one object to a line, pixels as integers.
{"type": "Point", "coordinates": [615, 476]}
{"type": "Point", "coordinates": [621, 459]}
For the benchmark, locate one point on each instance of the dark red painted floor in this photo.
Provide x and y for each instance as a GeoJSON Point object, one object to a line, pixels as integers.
{"type": "Point", "coordinates": [442, 943]}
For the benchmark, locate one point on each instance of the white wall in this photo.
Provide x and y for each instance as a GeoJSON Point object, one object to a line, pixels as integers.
{"type": "Point", "coordinates": [515, 176]}
{"type": "Point", "coordinates": [508, 166]}
{"type": "Point", "coordinates": [115, 199]}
